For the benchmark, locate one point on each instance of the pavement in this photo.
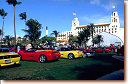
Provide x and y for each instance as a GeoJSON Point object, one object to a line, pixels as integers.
{"type": "Point", "coordinates": [116, 75]}
{"type": "Point", "coordinates": [120, 58]}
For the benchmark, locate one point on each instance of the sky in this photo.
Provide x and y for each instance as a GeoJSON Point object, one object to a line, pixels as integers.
{"type": "Point", "coordinates": [58, 14]}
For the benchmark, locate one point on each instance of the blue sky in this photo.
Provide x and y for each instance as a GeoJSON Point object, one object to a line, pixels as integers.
{"type": "Point", "coordinates": [58, 14]}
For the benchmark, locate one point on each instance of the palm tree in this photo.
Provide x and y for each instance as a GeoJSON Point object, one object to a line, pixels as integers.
{"type": "Point", "coordinates": [7, 39]}
{"type": "Point", "coordinates": [33, 31]}
{"type": "Point", "coordinates": [56, 34]}
{"type": "Point", "coordinates": [83, 37]}
{"type": "Point", "coordinates": [72, 39]}
{"type": "Point", "coordinates": [0, 35]}
{"type": "Point", "coordinates": [23, 16]}
{"type": "Point", "coordinates": [14, 3]}
{"type": "Point", "coordinates": [97, 40]}
{"type": "Point", "coordinates": [0, 32]}
{"type": "Point", "coordinates": [91, 28]}
{"type": "Point", "coordinates": [86, 36]}
{"type": "Point", "coordinates": [3, 14]}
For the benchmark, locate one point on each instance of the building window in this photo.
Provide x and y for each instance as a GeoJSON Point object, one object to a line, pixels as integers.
{"type": "Point", "coordinates": [112, 31]}
{"type": "Point", "coordinates": [114, 14]}
{"type": "Point", "coordinates": [115, 28]}
{"type": "Point", "coordinates": [114, 19]}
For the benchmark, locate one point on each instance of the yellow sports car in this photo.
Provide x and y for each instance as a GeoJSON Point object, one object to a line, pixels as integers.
{"type": "Point", "coordinates": [70, 54]}
{"type": "Point", "coordinates": [8, 57]}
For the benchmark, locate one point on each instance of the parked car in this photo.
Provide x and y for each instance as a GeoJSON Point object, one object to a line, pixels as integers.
{"type": "Point", "coordinates": [87, 53]}
{"type": "Point", "coordinates": [104, 50]}
{"type": "Point", "coordinates": [39, 55]}
{"type": "Point", "coordinates": [70, 54]}
{"type": "Point", "coordinates": [110, 47]}
{"type": "Point", "coordinates": [8, 57]}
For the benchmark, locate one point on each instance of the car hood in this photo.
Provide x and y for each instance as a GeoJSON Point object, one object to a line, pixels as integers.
{"type": "Point", "coordinates": [8, 53]}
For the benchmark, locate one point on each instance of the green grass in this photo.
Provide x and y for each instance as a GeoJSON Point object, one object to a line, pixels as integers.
{"type": "Point", "coordinates": [63, 69]}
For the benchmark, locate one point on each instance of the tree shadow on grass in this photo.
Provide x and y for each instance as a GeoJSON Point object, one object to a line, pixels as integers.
{"type": "Point", "coordinates": [93, 72]}
{"type": "Point", "coordinates": [10, 66]}
{"type": "Point", "coordinates": [109, 59]}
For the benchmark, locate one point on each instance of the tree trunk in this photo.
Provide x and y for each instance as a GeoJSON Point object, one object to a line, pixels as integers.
{"type": "Point", "coordinates": [2, 33]}
{"type": "Point", "coordinates": [3, 28]}
{"type": "Point", "coordinates": [14, 30]}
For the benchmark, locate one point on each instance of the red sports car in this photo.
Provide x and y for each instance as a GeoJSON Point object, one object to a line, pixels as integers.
{"type": "Point", "coordinates": [39, 55]}
{"type": "Point", "coordinates": [100, 50]}
{"type": "Point", "coordinates": [111, 47]}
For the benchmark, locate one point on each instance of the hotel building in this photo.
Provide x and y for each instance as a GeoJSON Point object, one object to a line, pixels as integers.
{"type": "Point", "coordinates": [113, 28]}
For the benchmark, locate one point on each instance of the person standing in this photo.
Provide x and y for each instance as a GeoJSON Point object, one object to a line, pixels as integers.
{"type": "Point", "coordinates": [18, 48]}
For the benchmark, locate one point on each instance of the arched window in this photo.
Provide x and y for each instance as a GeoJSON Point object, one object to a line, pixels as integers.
{"type": "Point", "coordinates": [114, 14]}
{"type": "Point", "coordinates": [114, 19]}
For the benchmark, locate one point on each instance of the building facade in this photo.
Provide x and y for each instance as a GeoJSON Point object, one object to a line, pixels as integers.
{"type": "Point", "coordinates": [112, 27]}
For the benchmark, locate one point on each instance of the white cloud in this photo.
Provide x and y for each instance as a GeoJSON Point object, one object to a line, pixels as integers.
{"type": "Point", "coordinates": [108, 5]}
{"type": "Point", "coordinates": [97, 2]}
{"type": "Point", "coordinates": [96, 19]}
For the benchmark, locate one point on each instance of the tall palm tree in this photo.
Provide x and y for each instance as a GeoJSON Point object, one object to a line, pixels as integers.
{"type": "Point", "coordinates": [0, 32]}
{"type": "Point", "coordinates": [56, 34]}
{"type": "Point", "coordinates": [0, 36]}
{"type": "Point", "coordinates": [14, 3]}
{"type": "Point", "coordinates": [91, 28]}
{"type": "Point", "coordinates": [3, 14]}
{"type": "Point", "coordinates": [33, 31]}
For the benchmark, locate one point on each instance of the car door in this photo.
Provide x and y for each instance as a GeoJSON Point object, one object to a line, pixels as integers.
{"type": "Point", "coordinates": [63, 53]}
{"type": "Point", "coordinates": [29, 55]}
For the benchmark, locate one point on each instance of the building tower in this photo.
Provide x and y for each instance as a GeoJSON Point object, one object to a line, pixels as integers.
{"type": "Point", "coordinates": [115, 24]}
{"type": "Point", "coordinates": [75, 23]}
{"type": "Point", "coordinates": [46, 31]}
{"type": "Point", "coordinates": [115, 19]}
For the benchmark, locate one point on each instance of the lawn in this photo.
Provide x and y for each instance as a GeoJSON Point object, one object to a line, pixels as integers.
{"type": "Point", "coordinates": [63, 69]}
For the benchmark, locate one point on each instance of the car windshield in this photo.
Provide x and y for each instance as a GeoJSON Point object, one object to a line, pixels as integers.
{"type": "Point", "coordinates": [6, 50]}
{"type": "Point", "coordinates": [31, 50]}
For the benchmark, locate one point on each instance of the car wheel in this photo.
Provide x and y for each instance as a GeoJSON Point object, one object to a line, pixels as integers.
{"type": "Point", "coordinates": [85, 55]}
{"type": "Point", "coordinates": [20, 57]}
{"type": "Point", "coordinates": [42, 59]}
{"type": "Point", "coordinates": [70, 56]}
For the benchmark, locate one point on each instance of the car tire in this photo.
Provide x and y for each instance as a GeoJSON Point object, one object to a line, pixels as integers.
{"type": "Point", "coordinates": [70, 56]}
{"type": "Point", "coordinates": [42, 59]}
{"type": "Point", "coordinates": [85, 55]}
